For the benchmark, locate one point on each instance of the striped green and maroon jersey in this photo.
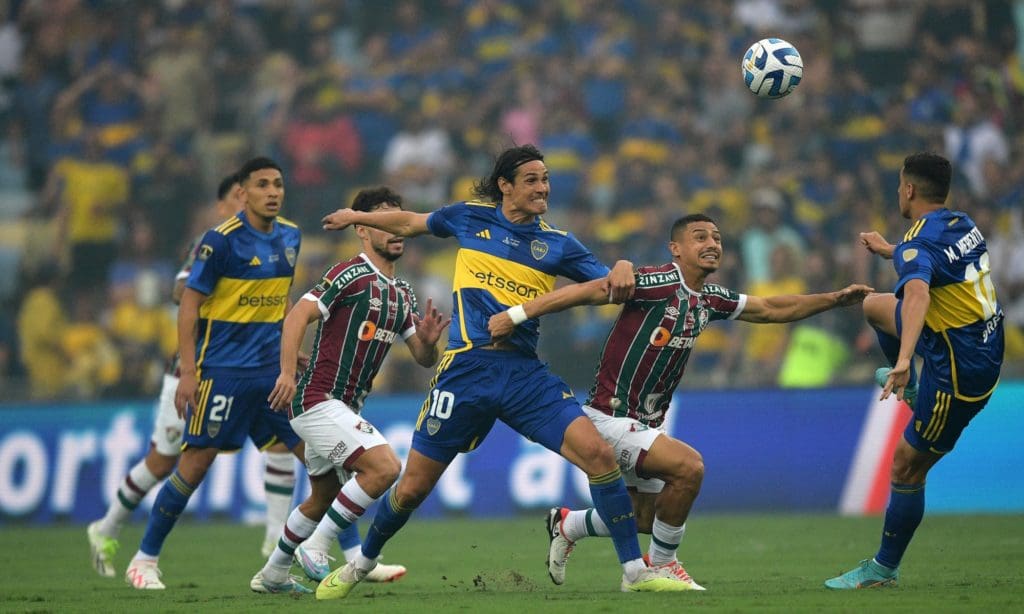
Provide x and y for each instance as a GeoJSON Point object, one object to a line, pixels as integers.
{"type": "Point", "coordinates": [363, 312]}
{"type": "Point", "coordinates": [647, 349]}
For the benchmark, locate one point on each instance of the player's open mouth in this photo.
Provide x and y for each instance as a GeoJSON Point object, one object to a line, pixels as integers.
{"type": "Point", "coordinates": [709, 256]}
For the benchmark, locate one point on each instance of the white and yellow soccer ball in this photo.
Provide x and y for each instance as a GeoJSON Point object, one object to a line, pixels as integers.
{"type": "Point", "coordinates": [772, 68]}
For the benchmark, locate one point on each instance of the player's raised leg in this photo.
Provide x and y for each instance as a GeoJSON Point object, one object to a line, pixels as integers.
{"type": "Point", "coordinates": [880, 312]}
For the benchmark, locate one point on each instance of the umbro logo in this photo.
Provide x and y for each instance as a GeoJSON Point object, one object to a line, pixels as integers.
{"type": "Point", "coordinates": [484, 234]}
{"type": "Point", "coordinates": [255, 261]}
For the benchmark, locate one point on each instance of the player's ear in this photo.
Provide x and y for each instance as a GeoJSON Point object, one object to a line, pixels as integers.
{"type": "Point", "coordinates": [675, 249]}
{"type": "Point", "coordinates": [505, 186]}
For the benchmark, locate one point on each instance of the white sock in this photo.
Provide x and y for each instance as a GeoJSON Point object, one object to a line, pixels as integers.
{"type": "Point", "coordinates": [142, 556]}
{"type": "Point", "coordinates": [279, 484]}
{"type": "Point", "coordinates": [632, 569]}
{"type": "Point", "coordinates": [665, 540]}
{"type": "Point", "coordinates": [347, 507]}
{"type": "Point", "coordinates": [353, 552]}
{"type": "Point", "coordinates": [296, 530]}
{"type": "Point", "coordinates": [133, 488]}
{"type": "Point", "coordinates": [584, 523]}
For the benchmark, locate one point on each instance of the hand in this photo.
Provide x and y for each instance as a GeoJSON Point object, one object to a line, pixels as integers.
{"type": "Point", "coordinates": [852, 294]}
{"type": "Point", "coordinates": [621, 281]}
{"type": "Point", "coordinates": [876, 244]}
{"type": "Point", "coordinates": [430, 327]}
{"type": "Point", "coordinates": [283, 393]}
{"type": "Point", "coordinates": [339, 220]}
{"type": "Point", "coordinates": [185, 395]}
{"type": "Point", "coordinates": [898, 379]}
{"type": "Point", "coordinates": [500, 326]}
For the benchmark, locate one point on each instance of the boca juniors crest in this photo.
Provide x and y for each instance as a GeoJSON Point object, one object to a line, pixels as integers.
{"type": "Point", "coordinates": [538, 249]}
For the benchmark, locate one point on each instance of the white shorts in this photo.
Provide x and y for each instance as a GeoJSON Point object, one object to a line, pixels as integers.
{"type": "Point", "coordinates": [631, 440]}
{"type": "Point", "coordinates": [167, 426]}
{"type": "Point", "coordinates": [335, 436]}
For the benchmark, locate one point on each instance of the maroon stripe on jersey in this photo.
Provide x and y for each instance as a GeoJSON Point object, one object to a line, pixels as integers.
{"type": "Point", "coordinates": [722, 304]}
{"type": "Point", "coordinates": [349, 505]}
{"type": "Point", "coordinates": [330, 347]}
{"type": "Point", "coordinates": [347, 465]}
{"type": "Point", "coordinates": [359, 361]}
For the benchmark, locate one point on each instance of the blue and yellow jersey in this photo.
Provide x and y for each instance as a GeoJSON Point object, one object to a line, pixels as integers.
{"type": "Point", "coordinates": [501, 264]}
{"type": "Point", "coordinates": [962, 341]}
{"type": "Point", "coordinates": [245, 275]}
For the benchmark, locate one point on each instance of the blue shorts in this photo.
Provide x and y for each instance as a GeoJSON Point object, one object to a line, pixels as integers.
{"type": "Point", "coordinates": [232, 408]}
{"type": "Point", "coordinates": [474, 388]}
{"type": "Point", "coordinates": [940, 416]}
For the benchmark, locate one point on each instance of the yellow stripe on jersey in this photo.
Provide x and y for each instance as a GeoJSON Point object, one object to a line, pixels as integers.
{"type": "Point", "coordinates": [956, 383]}
{"type": "Point", "coordinates": [480, 203]}
{"type": "Point", "coordinates": [510, 283]}
{"type": "Point", "coordinates": [247, 300]}
{"type": "Point", "coordinates": [462, 321]}
{"type": "Point", "coordinates": [285, 221]}
{"type": "Point", "coordinates": [914, 230]}
{"type": "Point", "coordinates": [953, 306]}
{"type": "Point", "coordinates": [229, 225]}
{"type": "Point", "coordinates": [545, 226]}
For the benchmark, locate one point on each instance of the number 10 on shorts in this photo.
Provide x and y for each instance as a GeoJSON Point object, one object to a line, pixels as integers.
{"type": "Point", "coordinates": [441, 404]}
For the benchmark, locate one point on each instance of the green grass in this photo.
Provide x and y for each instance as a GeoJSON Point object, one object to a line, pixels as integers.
{"type": "Point", "coordinates": [756, 562]}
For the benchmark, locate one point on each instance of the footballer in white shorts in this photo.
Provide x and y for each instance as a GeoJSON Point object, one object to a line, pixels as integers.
{"type": "Point", "coordinates": [631, 439]}
{"type": "Point", "coordinates": [335, 437]}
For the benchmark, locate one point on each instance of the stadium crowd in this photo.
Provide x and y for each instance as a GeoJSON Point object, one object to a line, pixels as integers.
{"type": "Point", "coordinates": [119, 119]}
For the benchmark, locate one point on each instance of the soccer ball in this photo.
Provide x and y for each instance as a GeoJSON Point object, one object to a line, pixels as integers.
{"type": "Point", "coordinates": [772, 68]}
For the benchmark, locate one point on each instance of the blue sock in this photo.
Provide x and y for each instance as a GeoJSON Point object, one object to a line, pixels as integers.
{"type": "Point", "coordinates": [390, 518]}
{"type": "Point", "coordinates": [891, 348]}
{"type": "Point", "coordinates": [616, 510]}
{"type": "Point", "coordinates": [904, 514]}
{"type": "Point", "coordinates": [169, 503]}
{"type": "Point", "coordinates": [349, 537]}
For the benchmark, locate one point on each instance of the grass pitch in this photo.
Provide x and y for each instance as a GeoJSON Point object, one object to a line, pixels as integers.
{"type": "Point", "coordinates": [755, 562]}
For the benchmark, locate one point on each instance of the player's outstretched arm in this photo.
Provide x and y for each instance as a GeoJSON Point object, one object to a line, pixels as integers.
{"type": "Point", "coordinates": [792, 307]}
{"type": "Point", "coordinates": [188, 320]}
{"type": "Point", "coordinates": [876, 244]}
{"type": "Point", "coordinates": [595, 292]}
{"type": "Point", "coordinates": [916, 299]}
{"type": "Point", "coordinates": [621, 282]}
{"type": "Point", "coordinates": [423, 344]}
{"type": "Point", "coordinates": [292, 332]}
{"type": "Point", "coordinates": [401, 223]}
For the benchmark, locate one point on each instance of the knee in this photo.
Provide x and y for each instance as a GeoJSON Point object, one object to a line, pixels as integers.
{"type": "Point", "coordinates": [161, 466]}
{"type": "Point", "coordinates": [875, 307]}
{"type": "Point", "coordinates": [409, 494]}
{"type": "Point", "coordinates": [688, 471]}
{"type": "Point", "coordinates": [597, 456]}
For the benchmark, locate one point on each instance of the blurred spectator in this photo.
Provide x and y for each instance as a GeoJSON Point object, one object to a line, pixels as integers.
{"type": "Point", "coordinates": [760, 243]}
{"type": "Point", "coordinates": [971, 140]}
{"type": "Point", "coordinates": [91, 193]}
{"type": "Point", "coordinates": [42, 325]}
{"type": "Point", "coordinates": [93, 364]}
{"type": "Point", "coordinates": [418, 161]}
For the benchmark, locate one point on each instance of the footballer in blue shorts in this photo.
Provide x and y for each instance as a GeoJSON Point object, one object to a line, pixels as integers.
{"type": "Point", "coordinates": [507, 255]}
{"type": "Point", "coordinates": [229, 337]}
{"type": "Point", "coordinates": [944, 309]}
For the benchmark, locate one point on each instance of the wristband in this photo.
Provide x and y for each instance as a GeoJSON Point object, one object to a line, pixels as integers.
{"type": "Point", "coordinates": [518, 314]}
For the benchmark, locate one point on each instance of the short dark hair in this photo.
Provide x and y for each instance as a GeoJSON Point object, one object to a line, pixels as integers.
{"type": "Point", "coordinates": [930, 173]}
{"type": "Point", "coordinates": [505, 166]}
{"type": "Point", "coordinates": [256, 164]}
{"type": "Point", "coordinates": [681, 224]}
{"type": "Point", "coordinates": [372, 198]}
{"type": "Point", "coordinates": [224, 187]}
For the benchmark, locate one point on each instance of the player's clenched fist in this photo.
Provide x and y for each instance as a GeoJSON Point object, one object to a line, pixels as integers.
{"type": "Point", "coordinates": [339, 220]}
